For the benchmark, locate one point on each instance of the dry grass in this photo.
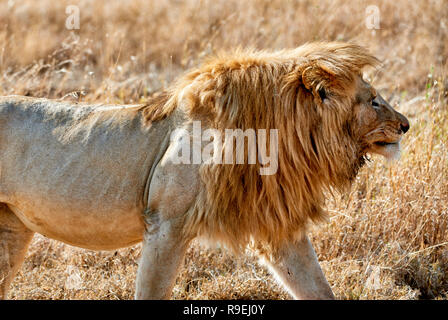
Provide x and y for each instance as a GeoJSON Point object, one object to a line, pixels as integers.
{"type": "Point", "coordinates": [387, 238]}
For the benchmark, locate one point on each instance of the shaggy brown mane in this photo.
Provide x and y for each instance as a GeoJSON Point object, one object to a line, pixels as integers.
{"type": "Point", "coordinates": [317, 151]}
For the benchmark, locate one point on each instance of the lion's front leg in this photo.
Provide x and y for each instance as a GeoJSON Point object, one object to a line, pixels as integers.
{"type": "Point", "coordinates": [172, 192]}
{"type": "Point", "coordinates": [296, 266]}
{"type": "Point", "coordinates": [162, 255]}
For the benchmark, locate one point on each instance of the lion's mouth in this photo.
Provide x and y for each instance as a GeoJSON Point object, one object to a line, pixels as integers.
{"type": "Point", "coordinates": [385, 143]}
{"type": "Point", "coordinates": [388, 149]}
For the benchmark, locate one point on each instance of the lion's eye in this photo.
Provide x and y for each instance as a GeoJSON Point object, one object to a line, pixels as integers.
{"type": "Point", "coordinates": [374, 103]}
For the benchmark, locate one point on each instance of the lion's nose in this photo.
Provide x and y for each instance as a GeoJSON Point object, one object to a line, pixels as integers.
{"type": "Point", "coordinates": [404, 126]}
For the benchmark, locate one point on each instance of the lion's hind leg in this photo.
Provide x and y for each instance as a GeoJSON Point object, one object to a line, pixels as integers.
{"type": "Point", "coordinates": [14, 241]}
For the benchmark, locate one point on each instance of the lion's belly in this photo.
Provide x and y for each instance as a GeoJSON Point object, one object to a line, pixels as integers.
{"type": "Point", "coordinates": [79, 203]}
{"type": "Point", "coordinates": [90, 230]}
{"type": "Point", "coordinates": [85, 208]}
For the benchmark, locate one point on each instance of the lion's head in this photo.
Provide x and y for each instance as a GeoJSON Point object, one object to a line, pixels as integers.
{"type": "Point", "coordinates": [376, 124]}
{"type": "Point", "coordinates": [328, 118]}
{"type": "Point", "coordinates": [360, 119]}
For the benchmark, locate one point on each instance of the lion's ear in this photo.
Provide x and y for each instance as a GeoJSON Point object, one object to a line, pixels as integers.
{"type": "Point", "coordinates": [317, 81]}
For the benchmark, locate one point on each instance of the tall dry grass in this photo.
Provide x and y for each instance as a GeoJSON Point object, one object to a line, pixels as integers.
{"type": "Point", "coordinates": [386, 239]}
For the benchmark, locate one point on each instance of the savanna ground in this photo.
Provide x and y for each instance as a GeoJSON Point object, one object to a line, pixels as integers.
{"type": "Point", "coordinates": [386, 239]}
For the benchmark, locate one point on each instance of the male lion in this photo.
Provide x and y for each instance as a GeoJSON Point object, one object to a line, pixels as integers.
{"type": "Point", "coordinates": [103, 177]}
